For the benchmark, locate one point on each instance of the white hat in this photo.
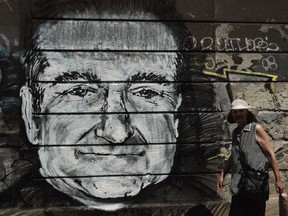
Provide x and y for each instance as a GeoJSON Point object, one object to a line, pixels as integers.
{"type": "Point", "coordinates": [240, 104]}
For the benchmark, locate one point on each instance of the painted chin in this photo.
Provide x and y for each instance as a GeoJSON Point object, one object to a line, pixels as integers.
{"type": "Point", "coordinates": [84, 189]}
{"type": "Point", "coordinates": [114, 187]}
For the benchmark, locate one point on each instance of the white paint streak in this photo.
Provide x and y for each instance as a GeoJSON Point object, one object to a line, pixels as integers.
{"type": "Point", "coordinates": [247, 60]}
{"type": "Point", "coordinates": [7, 3]}
{"type": "Point", "coordinates": [223, 30]}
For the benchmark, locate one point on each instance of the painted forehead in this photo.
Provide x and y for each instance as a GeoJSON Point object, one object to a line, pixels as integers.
{"type": "Point", "coordinates": [105, 35]}
{"type": "Point", "coordinates": [109, 66]}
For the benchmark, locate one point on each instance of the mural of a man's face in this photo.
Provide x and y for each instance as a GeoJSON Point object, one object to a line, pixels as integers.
{"type": "Point", "coordinates": [105, 117]}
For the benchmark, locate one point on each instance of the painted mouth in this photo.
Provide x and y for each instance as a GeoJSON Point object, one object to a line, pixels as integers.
{"type": "Point", "coordinates": [78, 154]}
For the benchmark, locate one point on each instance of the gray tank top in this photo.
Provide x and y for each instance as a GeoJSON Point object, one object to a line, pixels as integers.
{"type": "Point", "coordinates": [253, 154]}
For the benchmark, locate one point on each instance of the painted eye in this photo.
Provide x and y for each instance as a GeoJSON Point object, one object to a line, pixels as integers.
{"type": "Point", "coordinates": [80, 91]}
{"type": "Point", "coordinates": [146, 93]}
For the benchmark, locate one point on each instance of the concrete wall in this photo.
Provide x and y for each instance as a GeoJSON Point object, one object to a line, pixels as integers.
{"type": "Point", "coordinates": [123, 111]}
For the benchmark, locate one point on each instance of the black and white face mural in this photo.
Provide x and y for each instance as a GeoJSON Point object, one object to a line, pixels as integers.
{"type": "Point", "coordinates": [123, 102]}
{"type": "Point", "coordinates": [91, 108]}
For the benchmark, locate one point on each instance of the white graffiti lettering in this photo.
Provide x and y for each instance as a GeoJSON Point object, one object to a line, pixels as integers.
{"type": "Point", "coordinates": [269, 63]}
{"type": "Point", "coordinates": [258, 44]}
{"type": "Point", "coordinates": [207, 43]}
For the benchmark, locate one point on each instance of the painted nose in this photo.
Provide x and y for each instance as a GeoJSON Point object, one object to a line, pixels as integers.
{"type": "Point", "coordinates": [116, 128]}
{"type": "Point", "coordinates": [115, 123]}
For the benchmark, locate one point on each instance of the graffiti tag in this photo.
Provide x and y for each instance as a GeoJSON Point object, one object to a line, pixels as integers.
{"type": "Point", "coordinates": [269, 63]}
{"type": "Point", "coordinates": [258, 44]}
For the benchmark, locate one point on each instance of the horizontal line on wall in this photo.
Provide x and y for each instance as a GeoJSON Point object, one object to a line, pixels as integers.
{"type": "Point", "coordinates": [197, 144]}
{"type": "Point", "coordinates": [127, 113]}
{"type": "Point", "coordinates": [197, 51]}
{"type": "Point", "coordinates": [195, 111]}
{"type": "Point", "coordinates": [125, 51]}
{"type": "Point", "coordinates": [124, 81]}
{"type": "Point", "coordinates": [128, 175]}
{"type": "Point", "coordinates": [119, 20]}
{"type": "Point", "coordinates": [159, 51]}
{"type": "Point", "coordinates": [221, 80]}
{"type": "Point", "coordinates": [162, 21]}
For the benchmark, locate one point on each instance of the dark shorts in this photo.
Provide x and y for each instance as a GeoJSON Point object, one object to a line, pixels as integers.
{"type": "Point", "coordinates": [242, 205]}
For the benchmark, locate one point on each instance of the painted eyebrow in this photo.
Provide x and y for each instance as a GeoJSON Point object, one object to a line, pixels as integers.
{"type": "Point", "coordinates": [75, 75]}
{"type": "Point", "coordinates": [151, 77]}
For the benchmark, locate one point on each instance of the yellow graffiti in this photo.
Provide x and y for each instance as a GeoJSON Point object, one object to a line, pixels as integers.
{"type": "Point", "coordinates": [224, 155]}
{"type": "Point", "coordinates": [210, 65]}
{"type": "Point", "coordinates": [226, 71]}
